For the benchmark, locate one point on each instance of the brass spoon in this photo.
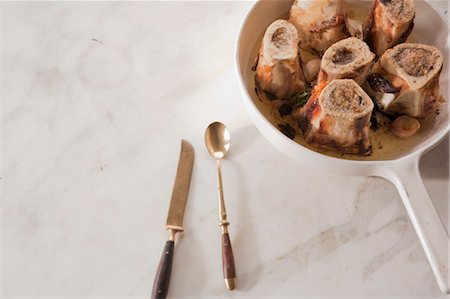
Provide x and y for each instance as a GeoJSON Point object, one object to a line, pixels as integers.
{"type": "Point", "coordinates": [217, 140]}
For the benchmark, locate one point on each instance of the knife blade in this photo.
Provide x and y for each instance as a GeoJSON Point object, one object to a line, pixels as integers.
{"type": "Point", "coordinates": [180, 187]}
{"type": "Point", "coordinates": [174, 221]}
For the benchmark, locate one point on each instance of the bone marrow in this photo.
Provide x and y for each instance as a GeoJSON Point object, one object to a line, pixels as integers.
{"type": "Point", "coordinates": [337, 117]}
{"type": "Point", "coordinates": [278, 70]}
{"type": "Point", "coordinates": [319, 23]}
{"type": "Point", "coordinates": [389, 23]}
{"type": "Point", "coordinates": [343, 56]}
{"type": "Point", "coordinates": [412, 71]}
{"type": "Point", "coordinates": [349, 58]}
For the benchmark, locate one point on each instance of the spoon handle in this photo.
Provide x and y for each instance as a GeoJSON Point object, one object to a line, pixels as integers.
{"type": "Point", "coordinates": [229, 272]}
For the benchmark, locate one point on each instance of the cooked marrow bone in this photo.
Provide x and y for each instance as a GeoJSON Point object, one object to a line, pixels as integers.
{"type": "Point", "coordinates": [347, 59]}
{"type": "Point", "coordinates": [320, 23]}
{"type": "Point", "coordinates": [278, 71]}
{"type": "Point", "coordinates": [412, 75]}
{"type": "Point", "coordinates": [311, 70]}
{"type": "Point", "coordinates": [337, 117]}
{"type": "Point", "coordinates": [389, 23]}
{"type": "Point", "coordinates": [355, 28]}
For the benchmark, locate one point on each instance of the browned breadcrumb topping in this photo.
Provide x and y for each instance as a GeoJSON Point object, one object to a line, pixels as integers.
{"type": "Point", "coordinates": [415, 61]}
{"type": "Point", "coordinates": [399, 9]}
{"type": "Point", "coordinates": [280, 38]}
{"type": "Point", "coordinates": [345, 99]}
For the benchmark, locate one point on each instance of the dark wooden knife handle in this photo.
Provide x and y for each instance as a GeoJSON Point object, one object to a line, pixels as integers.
{"type": "Point", "coordinates": [229, 271]}
{"type": "Point", "coordinates": [162, 278]}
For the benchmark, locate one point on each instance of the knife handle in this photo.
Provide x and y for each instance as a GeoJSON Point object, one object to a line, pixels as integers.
{"type": "Point", "coordinates": [162, 278]}
{"type": "Point", "coordinates": [229, 272]}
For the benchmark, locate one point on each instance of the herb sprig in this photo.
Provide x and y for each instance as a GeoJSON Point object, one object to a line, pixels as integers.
{"type": "Point", "coordinates": [300, 99]}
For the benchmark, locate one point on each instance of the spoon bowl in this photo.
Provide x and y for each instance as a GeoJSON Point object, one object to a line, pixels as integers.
{"type": "Point", "coordinates": [217, 140]}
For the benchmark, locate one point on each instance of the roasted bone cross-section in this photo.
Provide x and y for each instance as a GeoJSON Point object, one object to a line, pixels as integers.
{"type": "Point", "coordinates": [337, 117]}
{"type": "Point", "coordinates": [389, 23]}
{"type": "Point", "coordinates": [320, 23]}
{"type": "Point", "coordinates": [413, 70]}
{"type": "Point", "coordinates": [278, 71]}
{"type": "Point", "coordinates": [347, 59]}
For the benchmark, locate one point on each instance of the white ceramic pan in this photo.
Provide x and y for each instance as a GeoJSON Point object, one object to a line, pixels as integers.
{"type": "Point", "coordinates": [403, 169]}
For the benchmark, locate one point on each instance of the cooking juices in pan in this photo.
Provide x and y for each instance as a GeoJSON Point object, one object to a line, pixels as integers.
{"type": "Point", "coordinates": [286, 113]}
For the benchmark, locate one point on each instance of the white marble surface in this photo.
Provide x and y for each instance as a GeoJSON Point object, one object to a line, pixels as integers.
{"type": "Point", "coordinates": [96, 97]}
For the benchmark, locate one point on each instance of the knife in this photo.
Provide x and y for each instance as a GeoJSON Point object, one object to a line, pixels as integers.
{"type": "Point", "coordinates": [174, 223]}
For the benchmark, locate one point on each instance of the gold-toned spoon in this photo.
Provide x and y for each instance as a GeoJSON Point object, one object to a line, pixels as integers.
{"type": "Point", "coordinates": [217, 140]}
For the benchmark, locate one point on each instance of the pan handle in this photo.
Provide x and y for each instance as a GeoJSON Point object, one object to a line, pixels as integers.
{"type": "Point", "coordinates": [426, 221]}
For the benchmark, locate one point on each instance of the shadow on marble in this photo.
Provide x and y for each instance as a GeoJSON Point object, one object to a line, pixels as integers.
{"type": "Point", "coordinates": [245, 245]}
{"type": "Point", "coordinates": [367, 208]}
{"type": "Point", "coordinates": [189, 266]}
{"type": "Point", "coordinates": [434, 168]}
{"type": "Point", "coordinates": [434, 163]}
{"type": "Point", "coordinates": [241, 140]}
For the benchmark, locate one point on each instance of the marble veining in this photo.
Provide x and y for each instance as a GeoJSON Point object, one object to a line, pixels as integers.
{"type": "Point", "coordinates": [95, 99]}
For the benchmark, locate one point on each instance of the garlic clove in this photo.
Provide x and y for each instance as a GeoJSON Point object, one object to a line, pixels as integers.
{"type": "Point", "coordinates": [405, 126]}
